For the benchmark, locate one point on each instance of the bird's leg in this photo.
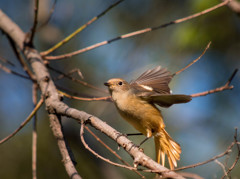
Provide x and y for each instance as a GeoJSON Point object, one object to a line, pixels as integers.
{"type": "Point", "coordinates": [144, 141]}
{"type": "Point", "coordinates": [134, 134]}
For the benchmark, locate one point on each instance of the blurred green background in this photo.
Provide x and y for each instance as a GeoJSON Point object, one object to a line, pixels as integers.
{"type": "Point", "coordinates": [204, 127]}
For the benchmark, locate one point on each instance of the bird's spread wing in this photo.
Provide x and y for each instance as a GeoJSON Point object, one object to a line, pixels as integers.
{"type": "Point", "coordinates": [166, 100]}
{"type": "Point", "coordinates": [156, 79]}
{"type": "Point", "coordinates": [152, 86]}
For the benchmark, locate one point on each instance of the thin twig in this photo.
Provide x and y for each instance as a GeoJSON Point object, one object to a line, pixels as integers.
{"type": "Point", "coordinates": [49, 16]}
{"type": "Point", "coordinates": [194, 61]}
{"type": "Point", "coordinates": [190, 175]}
{"type": "Point", "coordinates": [34, 134]}
{"type": "Point", "coordinates": [6, 61]}
{"type": "Point", "coordinates": [21, 60]}
{"type": "Point", "coordinates": [75, 70]}
{"type": "Point", "coordinates": [222, 166]}
{"type": "Point", "coordinates": [40, 102]}
{"type": "Point", "coordinates": [68, 55]}
{"type": "Point", "coordinates": [7, 70]}
{"type": "Point", "coordinates": [99, 156]}
{"type": "Point", "coordinates": [112, 151]}
{"type": "Point", "coordinates": [77, 80]}
{"type": "Point", "coordinates": [35, 22]}
{"type": "Point", "coordinates": [222, 88]}
{"type": "Point", "coordinates": [207, 161]}
{"type": "Point", "coordinates": [107, 98]}
{"type": "Point", "coordinates": [68, 38]}
{"type": "Point", "coordinates": [237, 158]}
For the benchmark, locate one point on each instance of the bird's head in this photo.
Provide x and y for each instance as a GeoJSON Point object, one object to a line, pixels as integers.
{"type": "Point", "coordinates": [117, 85]}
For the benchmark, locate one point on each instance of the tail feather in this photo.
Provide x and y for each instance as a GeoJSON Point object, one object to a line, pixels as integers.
{"type": "Point", "coordinates": [164, 144]}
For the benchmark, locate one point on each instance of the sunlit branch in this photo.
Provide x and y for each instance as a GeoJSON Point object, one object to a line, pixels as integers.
{"type": "Point", "coordinates": [136, 33]}
{"type": "Point", "coordinates": [222, 88]}
{"type": "Point", "coordinates": [68, 38]}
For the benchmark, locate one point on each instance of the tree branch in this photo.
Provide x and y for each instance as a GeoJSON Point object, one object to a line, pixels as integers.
{"type": "Point", "coordinates": [55, 106]}
{"type": "Point", "coordinates": [68, 55]}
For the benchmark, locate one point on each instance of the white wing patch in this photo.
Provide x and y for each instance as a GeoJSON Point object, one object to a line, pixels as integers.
{"type": "Point", "coordinates": [147, 87]}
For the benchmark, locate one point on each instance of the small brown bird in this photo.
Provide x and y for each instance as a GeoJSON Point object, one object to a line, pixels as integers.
{"type": "Point", "coordinates": [136, 101]}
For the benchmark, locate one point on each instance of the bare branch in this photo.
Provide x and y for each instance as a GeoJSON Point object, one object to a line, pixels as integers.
{"type": "Point", "coordinates": [234, 5]}
{"type": "Point", "coordinates": [55, 106]}
{"type": "Point", "coordinates": [77, 80]}
{"type": "Point", "coordinates": [34, 134]}
{"type": "Point", "coordinates": [7, 70]}
{"type": "Point", "coordinates": [57, 132]}
{"type": "Point", "coordinates": [194, 61]}
{"type": "Point", "coordinates": [107, 98]}
{"type": "Point", "coordinates": [222, 166]}
{"type": "Point", "coordinates": [39, 104]}
{"type": "Point", "coordinates": [49, 16]}
{"type": "Point", "coordinates": [222, 88]}
{"type": "Point", "coordinates": [6, 61]}
{"type": "Point", "coordinates": [99, 156]}
{"type": "Point", "coordinates": [22, 60]}
{"type": "Point", "coordinates": [112, 151]}
{"type": "Point", "coordinates": [136, 33]}
{"type": "Point", "coordinates": [238, 155]}
{"type": "Point", "coordinates": [35, 22]}
{"type": "Point", "coordinates": [190, 175]}
{"type": "Point", "coordinates": [68, 38]}
{"type": "Point", "coordinates": [210, 160]}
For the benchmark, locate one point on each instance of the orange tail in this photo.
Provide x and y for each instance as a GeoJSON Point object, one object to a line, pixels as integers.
{"type": "Point", "coordinates": [164, 144]}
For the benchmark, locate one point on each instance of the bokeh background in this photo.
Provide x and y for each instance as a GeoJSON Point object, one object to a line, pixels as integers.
{"type": "Point", "coordinates": [204, 127]}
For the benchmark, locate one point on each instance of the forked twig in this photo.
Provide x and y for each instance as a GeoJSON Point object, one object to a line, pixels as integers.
{"type": "Point", "coordinates": [112, 151]}
{"type": "Point", "coordinates": [68, 38]}
{"type": "Point", "coordinates": [68, 55]}
{"type": "Point", "coordinates": [97, 155]}
{"type": "Point", "coordinates": [39, 104]}
{"type": "Point", "coordinates": [77, 80]}
{"type": "Point", "coordinates": [229, 150]}
{"type": "Point", "coordinates": [222, 88]}
{"type": "Point", "coordinates": [237, 158]}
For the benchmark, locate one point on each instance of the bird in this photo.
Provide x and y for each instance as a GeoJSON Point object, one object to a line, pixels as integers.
{"type": "Point", "coordinates": [137, 103]}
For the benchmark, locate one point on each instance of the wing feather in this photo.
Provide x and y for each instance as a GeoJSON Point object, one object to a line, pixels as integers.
{"type": "Point", "coordinates": [157, 78]}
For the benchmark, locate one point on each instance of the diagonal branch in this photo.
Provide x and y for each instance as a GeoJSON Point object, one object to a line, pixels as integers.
{"type": "Point", "coordinates": [222, 88]}
{"type": "Point", "coordinates": [39, 104]}
{"type": "Point", "coordinates": [68, 38]}
{"type": "Point", "coordinates": [112, 151]}
{"type": "Point", "coordinates": [68, 55]}
{"type": "Point", "coordinates": [194, 61]}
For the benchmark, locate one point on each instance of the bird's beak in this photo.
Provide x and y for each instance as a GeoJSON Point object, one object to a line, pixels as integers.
{"type": "Point", "coordinates": [107, 84]}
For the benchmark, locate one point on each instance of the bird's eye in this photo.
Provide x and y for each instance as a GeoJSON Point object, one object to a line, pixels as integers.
{"type": "Point", "coordinates": [120, 83]}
